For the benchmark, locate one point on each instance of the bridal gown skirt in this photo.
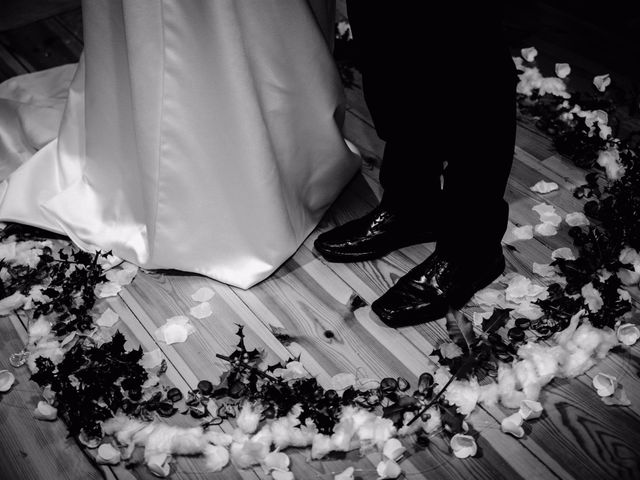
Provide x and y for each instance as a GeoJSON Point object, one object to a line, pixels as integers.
{"type": "Point", "coordinates": [195, 135]}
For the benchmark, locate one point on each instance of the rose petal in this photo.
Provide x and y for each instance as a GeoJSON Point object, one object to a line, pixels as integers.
{"type": "Point", "coordinates": [7, 380]}
{"type": "Point", "coordinates": [564, 252]}
{"type": "Point", "coordinates": [151, 359]}
{"type": "Point", "coordinates": [546, 229]}
{"type": "Point", "coordinates": [280, 475]}
{"type": "Point", "coordinates": [176, 330]}
{"type": "Point", "coordinates": [342, 381]}
{"type": "Point", "coordinates": [628, 334]}
{"type": "Point", "coordinates": [393, 449]}
{"type": "Point", "coordinates": [108, 289]}
{"type": "Point", "coordinates": [44, 411]}
{"type": "Point", "coordinates": [203, 294]}
{"type": "Point", "coordinates": [108, 318]}
{"type": "Point", "coordinates": [159, 465]}
{"type": "Point", "coordinates": [346, 475]}
{"type": "Point", "coordinates": [513, 425]}
{"type": "Point", "coordinates": [601, 82]}
{"type": "Point", "coordinates": [544, 187]}
{"type": "Point", "coordinates": [388, 469]}
{"type": "Point", "coordinates": [529, 54]}
{"type": "Point", "coordinates": [543, 269]}
{"type": "Point", "coordinates": [201, 311]}
{"type": "Point", "coordinates": [562, 70]}
{"type": "Point", "coordinates": [108, 455]}
{"type": "Point", "coordinates": [216, 457]}
{"type": "Point", "coordinates": [604, 384]}
{"type": "Point", "coordinates": [480, 317]}
{"type": "Point", "coordinates": [463, 446]}
{"type": "Point", "coordinates": [576, 219]}
{"type": "Point", "coordinates": [524, 232]}
{"type": "Point", "coordinates": [530, 409]}
{"type": "Point", "coordinates": [275, 461]}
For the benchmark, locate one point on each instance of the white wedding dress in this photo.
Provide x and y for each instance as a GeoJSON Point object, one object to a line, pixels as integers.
{"type": "Point", "coordinates": [198, 135]}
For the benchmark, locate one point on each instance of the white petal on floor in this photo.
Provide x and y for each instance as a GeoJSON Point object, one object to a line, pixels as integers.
{"type": "Point", "coordinates": [546, 229]}
{"type": "Point", "coordinates": [525, 232]}
{"type": "Point", "coordinates": [108, 289]}
{"type": "Point", "coordinates": [576, 219]}
{"type": "Point", "coordinates": [202, 310]}
{"type": "Point", "coordinates": [152, 359]}
{"type": "Point", "coordinates": [544, 187]}
{"type": "Point", "coordinates": [203, 294]}
{"type": "Point", "coordinates": [108, 318]}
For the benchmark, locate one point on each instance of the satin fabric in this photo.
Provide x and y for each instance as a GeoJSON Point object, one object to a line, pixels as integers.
{"type": "Point", "coordinates": [196, 135]}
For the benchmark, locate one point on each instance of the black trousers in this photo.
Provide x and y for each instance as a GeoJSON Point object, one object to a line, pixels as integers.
{"type": "Point", "coordinates": [440, 98]}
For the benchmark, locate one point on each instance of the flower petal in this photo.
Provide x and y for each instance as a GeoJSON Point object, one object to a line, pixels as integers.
{"type": "Point", "coordinates": [562, 70]}
{"type": "Point", "coordinates": [347, 474]}
{"type": "Point", "coordinates": [393, 449]}
{"type": "Point", "coordinates": [544, 187]}
{"type": "Point", "coordinates": [108, 318]}
{"type": "Point", "coordinates": [108, 455]}
{"type": "Point", "coordinates": [524, 232]}
{"type": "Point", "coordinates": [601, 82]}
{"type": "Point", "coordinates": [529, 54]}
{"type": "Point", "coordinates": [203, 294]}
{"type": "Point", "coordinates": [628, 334]}
{"type": "Point", "coordinates": [44, 411]}
{"type": "Point", "coordinates": [564, 252]}
{"type": "Point", "coordinates": [203, 310]}
{"type": "Point", "coordinates": [463, 446]}
{"type": "Point", "coordinates": [513, 425]}
{"type": "Point", "coordinates": [530, 409]}
{"type": "Point", "coordinates": [388, 469]}
{"type": "Point", "coordinates": [604, 384]}
{"type": "Point", "coordinates": [7, 380]}
{"type": "Point", "coordinates": [576, 219]}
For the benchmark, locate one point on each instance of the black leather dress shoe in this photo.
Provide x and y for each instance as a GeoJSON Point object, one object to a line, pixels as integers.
{"type": "Point", "coordinates": [440, 282]}
{"type": "Point", "coordinates": [372, 236]}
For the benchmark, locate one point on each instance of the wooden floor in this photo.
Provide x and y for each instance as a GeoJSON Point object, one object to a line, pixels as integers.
{"type": "Point", "coordinates": [578, 438]}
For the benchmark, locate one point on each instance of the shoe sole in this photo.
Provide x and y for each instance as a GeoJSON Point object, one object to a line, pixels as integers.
{"type": "Point", "coordinates": [336, 257]}
{"type": "Point", "coordinates": [418, 317]}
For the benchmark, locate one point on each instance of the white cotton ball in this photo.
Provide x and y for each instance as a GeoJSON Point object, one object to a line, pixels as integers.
{"type": "Point", "coordinates": [587, 337]}
{"type": "Point", "coordinates": [546, 364]}
{"type": "Point", "coordinates": [463, 394]}
{"type": "Point", "coordinates": [608, 340]}
{"type": "Point", "coordinates": [342, 434]}
{"type": "Point", "coordinates": [434, 422]}
{"type": "Point", "coordinates": [39, 330]}
{"type": "Point", "coordinates": [11, 303]}
{"type": "Point", "coordinates": [218, 438]}
{"type": "Point", "coordinates": [249, 418]}
{"type": "Point", "coordinates": [244, 455]}
{"type": "Point", "coordinates": [216, 457]}
{"type": "Point", "coordinates": [263, 436]}
{"type": "Point", "coordinates": [321, 446]}
{"type": "Point", "coordinates": [577, 363]}
{"type": "Point", "coordinates": [488, 394]}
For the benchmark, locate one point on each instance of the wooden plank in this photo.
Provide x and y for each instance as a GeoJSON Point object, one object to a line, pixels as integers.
{"type": "Point", "coordinates": [34, 449]}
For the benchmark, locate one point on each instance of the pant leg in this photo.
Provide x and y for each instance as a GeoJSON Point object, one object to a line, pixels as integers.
{"type": "Point", "coordinates": [390, 45]}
